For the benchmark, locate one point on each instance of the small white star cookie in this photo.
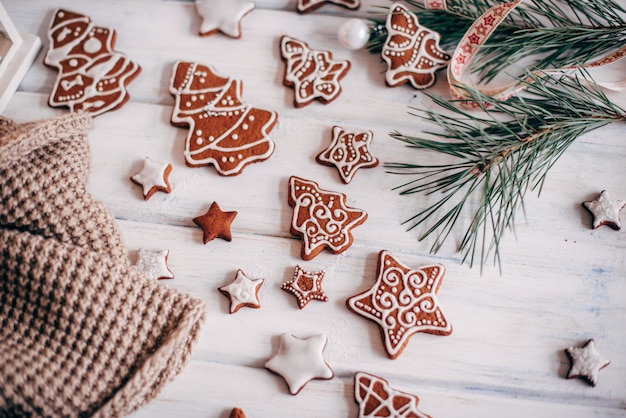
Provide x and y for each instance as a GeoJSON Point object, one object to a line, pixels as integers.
{"type": "Point", "coordinates": [222, 16]}
{"type": "Point", "coordinates": [153, 177]}
{"type": "Point", "coordinates": [300, 360]}
{"type": "Point", "coordinates": [586, 362]}
{"type": "Point", "coordinates": [605, 211]}
{"type": "Point", "coordinates": [153, 264]}
{"type": "Point", "coordinates": [243, 291]}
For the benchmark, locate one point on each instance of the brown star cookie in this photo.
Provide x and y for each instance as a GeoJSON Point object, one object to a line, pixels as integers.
{"type": "Point", "coordinates": [348, 152]}
{"type": "Point", "coordinates": [321, 218]}
{"type": "Point", "coordinates": [215, 223]}
{"type": "Point", "coordinates": [402, 302]}
{"type": "Point", "coordinates": [306, 286]}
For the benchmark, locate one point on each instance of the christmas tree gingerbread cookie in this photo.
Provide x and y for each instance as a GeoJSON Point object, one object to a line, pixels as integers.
{"type": "Point", "coordinates": [223, 130]}
{"type": "Point", "coordinates": [92, 76]}
{"type": "Point", "coordinates": [312, 74]}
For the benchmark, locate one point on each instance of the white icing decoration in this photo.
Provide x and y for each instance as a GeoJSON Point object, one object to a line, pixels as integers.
{"type": "Point", "coordinates": [300, 360]}
{"type": "Point", "coordinates": [417, 61]}
{"type": "Point", "coordinates": [403, 302]}
{"type": "Point", "coordinates": [325, 75]}
{"type": "Point", "coordinates": [327, 222]}
{"type": "Point", "coordinates": [223, 15]}
{"type": "Point", "coordinates": [243, 291]}
{"type": "Point", "coordinates": [151, 175]}
{"type": "Point", "coordinates": [153, 264]}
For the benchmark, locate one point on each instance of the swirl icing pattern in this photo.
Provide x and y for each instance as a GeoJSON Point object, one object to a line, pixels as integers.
{"type": "Point", "coordinates": [402, 302]}
{"type": "Point", "coordinates": [321, 218]}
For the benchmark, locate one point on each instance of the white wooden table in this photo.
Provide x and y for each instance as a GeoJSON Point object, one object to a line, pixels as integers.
{"type": "Point", "coordinates": [562, 282]}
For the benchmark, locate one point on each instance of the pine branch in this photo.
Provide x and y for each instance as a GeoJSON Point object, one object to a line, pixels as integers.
{"type": "Point", "coordinates": [497, 157]}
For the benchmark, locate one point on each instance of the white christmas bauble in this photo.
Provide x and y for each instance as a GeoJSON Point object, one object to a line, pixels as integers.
{"type": "Point", "coordinates": [354, 34]}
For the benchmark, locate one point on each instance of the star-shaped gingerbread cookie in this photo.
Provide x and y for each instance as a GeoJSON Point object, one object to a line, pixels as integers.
{"type": "Point", "coordinates": [312, 74]}
{"type": "Point", "coordinates": [402, 302]}
{"type": "Point", "coordinates": [243, 291]}
{"type": "Point", "coordinates": [222, 16]}
{"type": "Point", "coordinates": [223, 130]}
{"type": "Point", "coordinates": [605, 211]}
{"type": "Point", "coordinates": [306, 286]}
{"type": "Point", "coordinates": [153, 264]}
{"type": "Point", "coordinates": [377, 399]}
{"type": "Point", "coordinates": [348, 152]}
{"type": "Point", "coordinates": [411, 51]}
{"type": "Point", "coordinates": [586, 362]}
{"type": "Point", "coordinates": [307, 6]}
{"type": "Point", "coordinates": [215, 223]}
{"type": "Point", "coordinates": [321, 218]}
{"type": "Point", "coordinates": [153, 177]}
{"type": "Point", "coordinates": [300, 360]}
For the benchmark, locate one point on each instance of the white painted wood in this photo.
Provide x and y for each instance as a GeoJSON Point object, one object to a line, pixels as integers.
{"type": "Point", "coordinates": [562, 282]}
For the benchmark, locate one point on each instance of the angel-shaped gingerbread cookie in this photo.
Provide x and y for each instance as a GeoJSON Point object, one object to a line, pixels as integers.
{"type": "Point", "coordinates": [223, 131]}
{"type": "Point", "coordinates": [411, 50]}
{"type": "Point", "coordinates": [92, 76]}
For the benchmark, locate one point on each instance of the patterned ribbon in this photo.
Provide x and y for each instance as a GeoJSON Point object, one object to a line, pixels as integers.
{"type": "Point", "coordinates": [479, 32]}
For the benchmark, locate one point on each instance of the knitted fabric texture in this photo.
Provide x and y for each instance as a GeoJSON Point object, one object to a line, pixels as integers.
{"type": "Point", "coordinates": [82, 332]}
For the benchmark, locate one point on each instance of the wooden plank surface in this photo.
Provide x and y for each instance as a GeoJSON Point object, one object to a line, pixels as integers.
{"type": "Point", "coordinates": [561, 281]}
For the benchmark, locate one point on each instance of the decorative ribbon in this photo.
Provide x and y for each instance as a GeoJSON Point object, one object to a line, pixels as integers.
{"type": "Point", "coordinates": [476, 36]}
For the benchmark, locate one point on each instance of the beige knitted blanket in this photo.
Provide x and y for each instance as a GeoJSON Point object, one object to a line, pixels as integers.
{"type": "Point", "coordinates": [82, 333]}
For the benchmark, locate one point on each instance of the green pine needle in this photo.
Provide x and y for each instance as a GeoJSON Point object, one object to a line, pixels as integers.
{"type": "Point", "coordinates": [497, 156]}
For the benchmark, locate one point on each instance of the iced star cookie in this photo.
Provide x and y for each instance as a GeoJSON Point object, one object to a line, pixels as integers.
{"type": "Point", "coordinates": [153, 264]}
{"type": "Point", "coordinates": [348, 152]}
{"type": "Point", "coordinates": [586, 362]}
{"type": "Point", "coordinates": [312, 74]}
{"type": "Point", "coordinates": [92, 76]}
{"type": "Point", "coordinates": [215, 224]}
{"type": "Point", "coordinates": [605, 211]}
{"type": "Point", "coordinates": [222, 16]}
{"type": "Point", "coordinates": [411, 51]}
{"type": "Point", "coordinates": [321, 218]}
{"type": "Point", "coordinates": [307, 6]}
{"type": "Point", "coordinates": [377, 399]}
{"type": "Point", "coordinates": [402, 302]}
{"type": "Point", "coordinates": [306, 286]}
{"type": "Point", "coordinates": [300, 360]}
{"type": "Point", "coordinates": [243, 291]}
{"type": "Point", "coordinates": [153, 177]}
{"type": "Point", "coordinates": [223, 131]}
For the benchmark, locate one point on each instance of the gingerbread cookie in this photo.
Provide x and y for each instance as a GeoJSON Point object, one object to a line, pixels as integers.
{"type": "Point", "coordinates": [377, 399]}
{"type": "Point", "coordinates": [605, 211]}
{"type": "Point", "coordinates": [215, 224]}
{"type": "Point", "coordinates": [411, 51]}
{"type": "Point", "coordinates": [222, 16]}
{"type": "Point", "coordinates": [223, 131]}
{"type": "Point", "coordinates": [153, 177]}
{"type": "Point", "coordinates": [300, 360]}
{"type": "Point", "coordinates": [307, 6]}
{"type": "Point", "coordinates": [306, 286]}
{"type": "Point", "coordinates": [153, 264]}
{"type": "Point", "coordinates": [321, 218]}
{"type": "Point", "coordinates": [312, 74]}
{"type": "Point", "coordinates": [402, 302]}
{"type": "Point", "coordinates": [586, 362]}
{"type": "Point", "coordinates": [92, 76]}
{"type": "Point", "coordinates": [237, 413]}
{"type": "Point", "coordinates": [243, 291]}
{"type": "Point", "coordinates": [348, 152]}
